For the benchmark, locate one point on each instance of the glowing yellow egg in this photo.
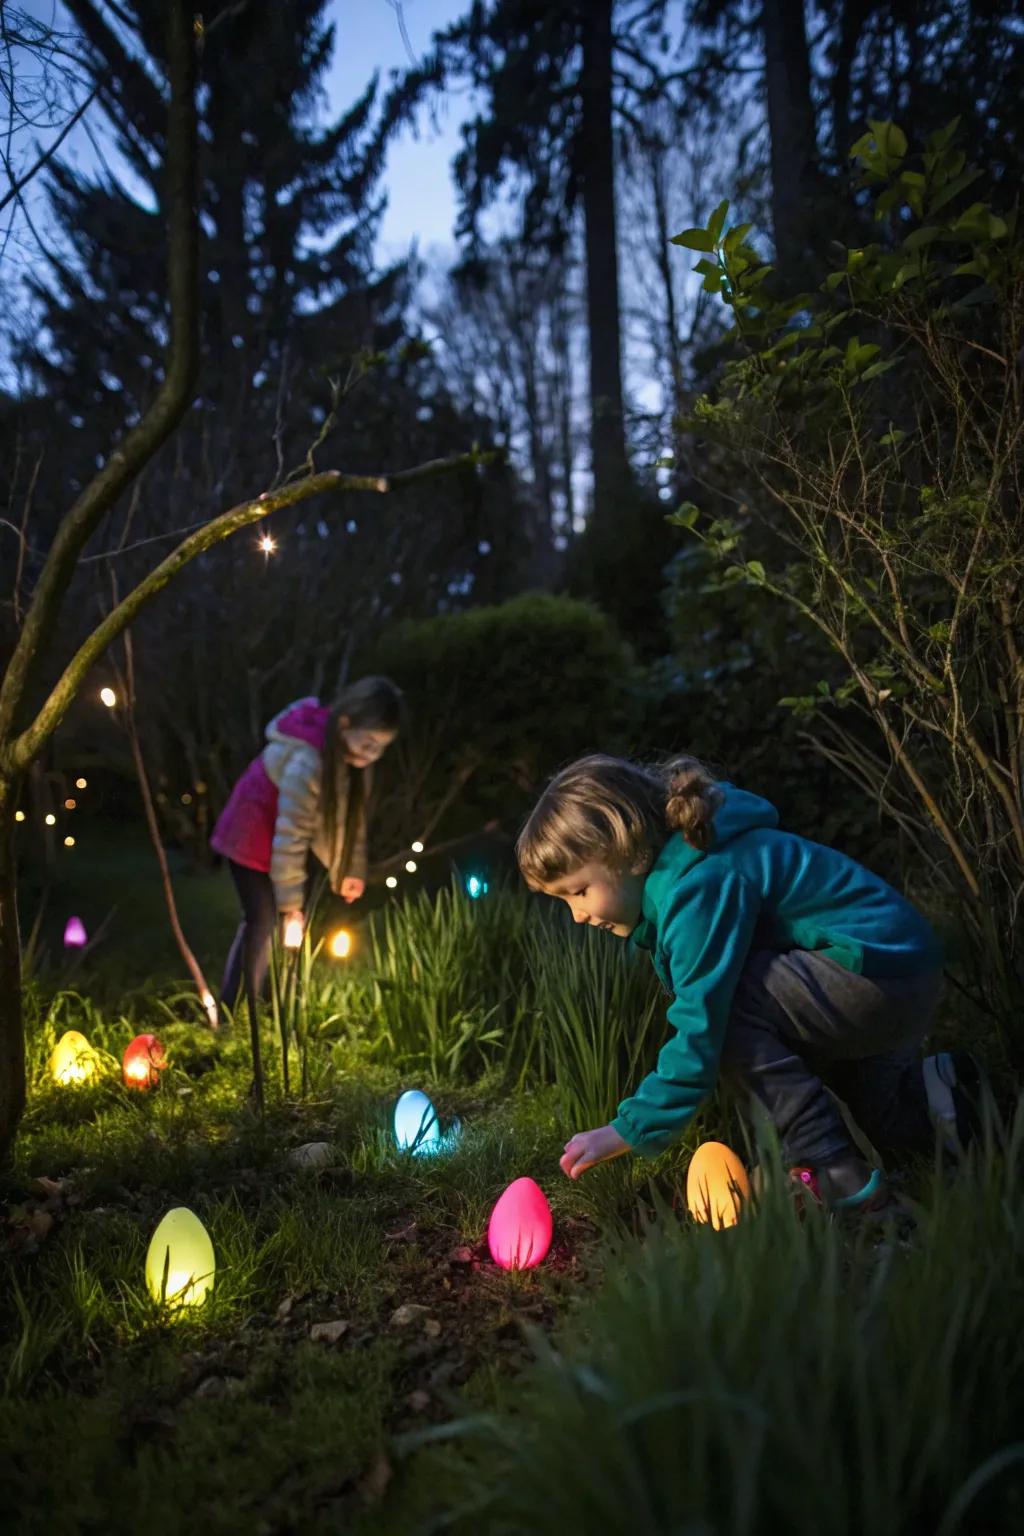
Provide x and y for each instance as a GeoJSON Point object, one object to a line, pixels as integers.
{"type": "Point", "coordinates": [180, 1262]}
{"type": "Point", "coordinates": [716, 1185]}
{"type": "Point", "coordinates": [73, 1059]}
{"type": "Point", "coordinates": [341, 944]}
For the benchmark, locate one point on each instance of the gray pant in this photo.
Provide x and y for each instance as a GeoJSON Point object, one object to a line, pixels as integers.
{"type": "Point", "coordinates": [803, 1029]}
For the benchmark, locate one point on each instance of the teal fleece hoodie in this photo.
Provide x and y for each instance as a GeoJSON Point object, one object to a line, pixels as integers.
{"type": "Point", "coordinates": [755, 888]}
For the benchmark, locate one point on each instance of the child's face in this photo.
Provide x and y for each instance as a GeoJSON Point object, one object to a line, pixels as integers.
{"type": "Point", "coordinates": [363, 746]}
{"type": "Point", "coordinates": [602, 897]}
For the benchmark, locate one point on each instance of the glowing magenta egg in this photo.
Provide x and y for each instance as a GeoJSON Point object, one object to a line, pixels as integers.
{"type": "Point", "coordinates": [74, 933]}
{"type": "Point", "coordinates": [519, 1231]}
{"type": "Point", "coordinates": [142, 1063]}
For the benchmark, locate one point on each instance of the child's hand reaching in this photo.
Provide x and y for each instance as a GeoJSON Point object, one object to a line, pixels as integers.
{"type": "Point", "coordinates": [352, 888]}
{"type": "Point", "coordinates": [589, 1147]}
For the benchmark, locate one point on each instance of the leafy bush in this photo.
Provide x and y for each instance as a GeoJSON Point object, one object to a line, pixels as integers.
{"type": "Point", "coordinates": [878, 427]}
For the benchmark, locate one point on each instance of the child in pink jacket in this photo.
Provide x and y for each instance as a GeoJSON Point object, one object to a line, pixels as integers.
{"type": "Point", "coordinates": [305, 792]}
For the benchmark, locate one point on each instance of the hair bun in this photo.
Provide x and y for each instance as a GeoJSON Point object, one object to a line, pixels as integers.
{"type": "Point", "coordinates": [692, 798]}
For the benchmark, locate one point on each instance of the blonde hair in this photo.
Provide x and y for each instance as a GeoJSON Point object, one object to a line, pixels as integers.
{"type": "Point", "coordinates": [615, 811]}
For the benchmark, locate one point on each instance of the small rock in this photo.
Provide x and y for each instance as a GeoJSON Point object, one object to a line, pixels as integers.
{"type": "Point", "coordinates": [284, 1308]}
{"type": "Point", "coordinates": [462, 1255]}
{"type": "Point", "coordinates": [418, 1401]}
{"type": "Point", "coordinates": [409, 1312]}
{"type": "Point", "coordinates": [328, 1333]}
{"type": "Point", "coordinates": [432, 1328]}
{"type": "Point", "coordinates": [314, 1154]}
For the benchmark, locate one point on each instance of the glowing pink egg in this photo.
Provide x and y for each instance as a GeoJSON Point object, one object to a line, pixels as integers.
{"type": "Point", "coordinates": [74, 933]}
{"type": "Point", "coordinates": [519, 1231]}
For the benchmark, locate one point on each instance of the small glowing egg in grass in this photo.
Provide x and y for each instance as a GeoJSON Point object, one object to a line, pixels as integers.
{"type": "Point", "coordinates": [180, 1262]}
{"type": "Point", "coordinates": [73, 1059]}
{"type": "Point", "coordinates": [416, 1127]}
{"type": "Point", "coordinates": [717, 1186]}
{"type": "Point", "coordinates": [293, 933]}
{"type": "Point", "coordinates": [519, 1231]}
{"type": "Point", "coordinates": [341, 944]}
{"type": "Point", "coordinates": [74, 933]}
{"type": "Point", "coordinates": [142, 1063]}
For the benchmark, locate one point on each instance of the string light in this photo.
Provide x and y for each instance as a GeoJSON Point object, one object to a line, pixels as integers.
{"type": "Point", "coordinates": [267, 544]}
{"type": "Point", "coordinates": [417, 847]}
{"type": "Point", "coordinates": [410, 865]}
{"type": "Point", "coordinates": [69, 842]}
{"type": "Point", "coordinates": [19, 815]}
{"type": "Point", "coordinates": [81, 784]}
{"type": "Point", "coordinates": [391, 882]}
{"type": "Point", "coordinates": [69, 805]}
{"type": "Point", "coordinates": [108, 697]}
{"type": "Point", "coordinates": [50, 819]}
{"type": "Point", "coordinates": [186, 798]}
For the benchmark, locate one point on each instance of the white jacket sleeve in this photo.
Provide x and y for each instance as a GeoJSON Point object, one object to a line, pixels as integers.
{"type": "Point", "coordinates": [298, 809]}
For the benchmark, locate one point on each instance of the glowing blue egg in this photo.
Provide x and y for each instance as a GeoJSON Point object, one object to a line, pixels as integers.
{"type": "Point", "coordinates": [416, 1127]}
{"type": "Point", "coordinates": [476, 886]}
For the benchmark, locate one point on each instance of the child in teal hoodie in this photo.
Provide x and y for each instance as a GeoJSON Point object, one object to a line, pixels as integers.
{"type": "Point", "coordinates": [793, 969]}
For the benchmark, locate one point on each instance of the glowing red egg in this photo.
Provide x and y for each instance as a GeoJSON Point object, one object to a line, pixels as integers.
{"type": "Point", "coordinates": [519, 1231]}
{"type": "Point", "coordinates": [142, 1063]}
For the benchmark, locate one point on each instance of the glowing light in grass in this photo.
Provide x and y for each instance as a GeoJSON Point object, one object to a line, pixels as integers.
{"type": "Point", "coordinates": [81, 783]}
{"type": "Point", "coordinates": [73, 1060]}
{"type": "Point", "coordinates": [410, 865]}
{"type": "Point", "coordinates": [108, 697]}
{"type": "Point", "coordinates": [519, 1231]}
{"type": "Point", "coordinates": [74, 933]}
{"type": "Point", "coordinates": [293, 933]}
{"type": "Point", "coordinates": [180, 1262]}
{"type": "Point", "coordinates": [142, 1063]}
{"type": "Point", "coordinates": [716, 1185]}
{"type": "Point", "coordinates": [476, 886]}
{"type": "Point", "coordinates": [341, 944]}
{"type": "Point", "coordinates": [417, 847]}
{"type": "Point", "coordinates": [267, 544]}
{"type": "Point", "coordinates": [416, 1127]}
{"type": "Point", "coordinates": [391, 882]}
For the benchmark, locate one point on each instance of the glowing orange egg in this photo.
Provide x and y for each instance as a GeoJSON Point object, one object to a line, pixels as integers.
{"type": "Point", "coordinates": [716, 1185]}
{"type": "Point", "coordinates": [142, 1063]}
{"type": "Point", "coordinates": [519, 1231]}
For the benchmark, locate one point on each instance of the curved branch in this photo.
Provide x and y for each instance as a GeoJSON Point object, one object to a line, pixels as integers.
{"type": "Point", "coordinates": [53, 710]}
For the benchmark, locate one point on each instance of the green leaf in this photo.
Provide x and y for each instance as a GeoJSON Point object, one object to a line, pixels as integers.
{"type": "Point", "coordinates": [684, 516]}
{"type": "Point", "coordinates": [717, 220]}
{"type": "Point", "coordinates": [736, 236]}
{"type": "Point", "coordinates": [892, 437]}
{"type": "Point", "coordinates": [950, 190]}
{"type": "Point", "coordinates": [755, 570]}
{"type": "Point", "coordinates": [694, 240]}
{"type": "Point", "coordinates": [921, 237]}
